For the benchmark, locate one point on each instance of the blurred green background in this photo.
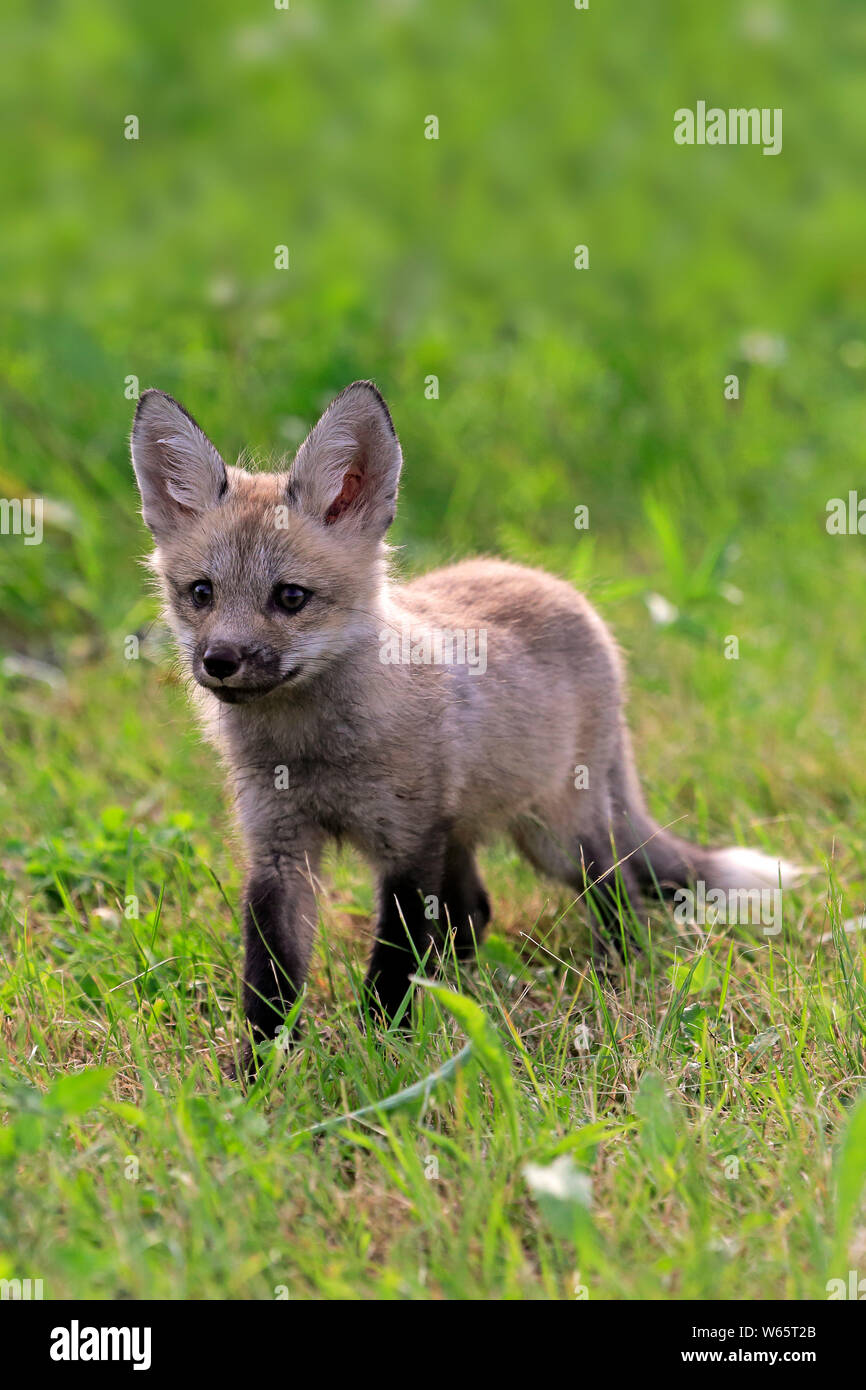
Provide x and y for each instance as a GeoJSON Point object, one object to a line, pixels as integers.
{"type": "Point", "coordinates": [154, 258]}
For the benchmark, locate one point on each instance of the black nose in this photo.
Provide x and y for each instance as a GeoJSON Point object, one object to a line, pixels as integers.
{"type": "Point", "coordinates": [221, 661]}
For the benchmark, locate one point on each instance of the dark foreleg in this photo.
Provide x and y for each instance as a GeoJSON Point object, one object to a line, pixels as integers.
{"type": "Point", "coordinates": [466, 906]}
{"type": "Point", "coordinates": [279, 920]}
{"type": "Point", "coordinates": [408, 928]}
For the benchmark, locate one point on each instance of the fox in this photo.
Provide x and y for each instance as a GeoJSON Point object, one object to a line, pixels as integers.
{"type": "Point", "coordinates": [347, 706]}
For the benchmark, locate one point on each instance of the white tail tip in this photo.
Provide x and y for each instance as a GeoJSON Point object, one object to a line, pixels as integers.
{"type": "Point", "coordinates": [749, 868]}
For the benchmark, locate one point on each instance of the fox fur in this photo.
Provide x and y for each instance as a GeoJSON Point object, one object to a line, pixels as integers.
{"type": "Point", "coordinates": [415, 762]}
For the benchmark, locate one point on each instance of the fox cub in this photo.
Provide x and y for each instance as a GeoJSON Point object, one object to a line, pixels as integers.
{"type": "Point", "coordinates": [415, 721]}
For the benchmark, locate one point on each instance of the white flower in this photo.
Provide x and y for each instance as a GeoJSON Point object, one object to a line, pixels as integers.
{"type": "Point", "coordinates": [767, 349]}
{"type": "Point", "coordinates": [561, 1179]}
{"type": "Point", "coordinates": [661, 610]}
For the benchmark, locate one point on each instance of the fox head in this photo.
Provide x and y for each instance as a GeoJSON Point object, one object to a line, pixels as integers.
{"type": "Point", "coordinates": [268, 578]}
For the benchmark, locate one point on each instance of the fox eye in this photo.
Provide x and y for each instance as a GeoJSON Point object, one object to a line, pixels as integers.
{"type": "Point", "coordinates": [202, 593]}
{"type": "Point", "coordinates": [291, 597]}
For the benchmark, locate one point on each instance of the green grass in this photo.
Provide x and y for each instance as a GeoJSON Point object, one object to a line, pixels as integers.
{"type": "Point", "coordinates": [707, 1138]}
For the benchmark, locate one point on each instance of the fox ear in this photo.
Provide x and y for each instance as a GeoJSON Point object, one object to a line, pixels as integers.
{"type": "Point", "coordinates": [179, 472]}
{"type": "Point", "coordinates": [346, 471]}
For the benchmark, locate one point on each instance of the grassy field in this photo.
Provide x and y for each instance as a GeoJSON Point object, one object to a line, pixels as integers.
{"type": "Point", "coordinates": [692, 1128]}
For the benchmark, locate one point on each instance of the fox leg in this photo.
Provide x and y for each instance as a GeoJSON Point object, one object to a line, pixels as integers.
{"type": "Point", "coordinates": [580, 853]}
{"type": "Point", "coordinates": [408, 926]}
{"type": "Point", "coordinates": [279, 920]}
{"type": "Point", "coordinates": [612, 889]}
{"type": "Point", "coordinates": [466, 904]}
